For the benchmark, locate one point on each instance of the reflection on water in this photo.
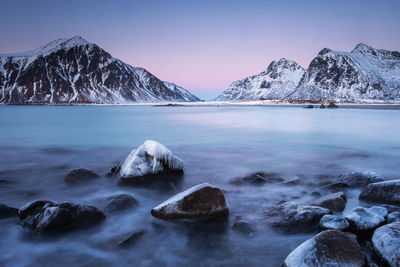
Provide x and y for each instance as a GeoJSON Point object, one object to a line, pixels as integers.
{"type": "Point", "coordinates": [39, 145]}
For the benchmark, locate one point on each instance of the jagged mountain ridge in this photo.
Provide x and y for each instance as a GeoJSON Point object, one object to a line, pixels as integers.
{"type": "Point", "coordinates": [187, 96]}
{"type": "Point", "coordinates": [365, 73]}
{"type": "Point", "coordinates": [276, 82]}
{"type": "Point", "coordinates": [76, 71]}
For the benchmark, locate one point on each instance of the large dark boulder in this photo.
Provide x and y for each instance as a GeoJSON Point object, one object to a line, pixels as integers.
{"type": "Point", "coordinates": [357, 179]}
{"type": "Point", "coordinates": [117, 203]}
{"type": "Point", "coordinates": [293, 217]}
{"type": "Point", "coordinates": [387, 192]}
{"type": "Point", "coordinates": [48, 217]}
{"type": "Point", "coordinates": [7, 212]}
{"type": "Point", "coordinates": [201, 201]}
{"type": "Point", "coordinates": [386, 241]}
{"type": "Point", "coordinates": [328, 248]}
{"type": "Point", "coordinates": [335, 202]}
{"type": "Point", "coordinates": [364, 220]}
{"type": "Point", "coordinates": [80, 175]}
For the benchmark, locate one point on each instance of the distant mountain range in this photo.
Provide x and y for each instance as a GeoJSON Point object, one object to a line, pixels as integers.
{"type": "Point", "coordinates": [74, 71]}
{"type": "Point", "coordinates": [365, 73]}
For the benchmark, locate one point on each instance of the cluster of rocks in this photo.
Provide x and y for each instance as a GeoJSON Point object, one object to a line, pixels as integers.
{"type": "Point", "coordinates": [338, 243]}
{"type": "Point", "coordinates": [360, 237]}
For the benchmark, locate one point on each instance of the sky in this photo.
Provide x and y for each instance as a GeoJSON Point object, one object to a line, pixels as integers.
{"type": "Point", "coordinates": [203, 45]}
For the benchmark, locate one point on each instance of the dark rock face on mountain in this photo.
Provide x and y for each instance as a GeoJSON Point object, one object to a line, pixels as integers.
{"type": "Point", "coordinates": [364, 73]}
{"type": "Point", "coordinates": [277, 81]}
{"type": "Point", "coordinates": [74, 71]}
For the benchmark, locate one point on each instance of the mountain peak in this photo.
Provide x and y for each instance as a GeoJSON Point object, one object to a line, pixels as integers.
{"type": "Point", "coordinates": [63, 43]}
{"type": "Point", "coordinates": [363, 48]}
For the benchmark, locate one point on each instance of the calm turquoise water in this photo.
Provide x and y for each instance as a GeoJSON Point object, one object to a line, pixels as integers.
{"type": "Point", "coordinates": [40, 144]}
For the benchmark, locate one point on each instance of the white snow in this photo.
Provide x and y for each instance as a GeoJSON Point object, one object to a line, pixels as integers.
{"type": "Point", "coordinates": [366, 218]}
{"type": "Point", "coordinates": [387, 243]}
{"type": "Point", "coordinates": [150, 158]}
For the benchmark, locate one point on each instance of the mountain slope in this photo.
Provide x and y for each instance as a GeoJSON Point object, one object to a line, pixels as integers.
{"type": "Point", "coordinates": [277, 81]}
{"type": "Point", "coordinates": [76, 71]}
{"type": "Point", "coordinates": [186, 95]}
{"type": "Point", "coordinates": [364, 73]}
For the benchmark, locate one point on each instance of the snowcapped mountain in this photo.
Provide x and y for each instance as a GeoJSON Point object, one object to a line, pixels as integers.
{"type": "Point", "coordinates": [364, 73]}
{"type": "Point", "coordinates": [277, 81]}
{"type": "Point", "coordinates": [186, 95]}
{"type": "Point", "coordinates": [76, 71]}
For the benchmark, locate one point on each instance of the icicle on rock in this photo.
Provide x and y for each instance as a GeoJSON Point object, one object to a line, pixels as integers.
{"type": "Point", "coordinates": [150, 158]}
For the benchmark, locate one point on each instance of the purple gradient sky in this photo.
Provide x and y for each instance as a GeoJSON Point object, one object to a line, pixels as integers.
{"type": "Point", "coordinates": [203, 45]}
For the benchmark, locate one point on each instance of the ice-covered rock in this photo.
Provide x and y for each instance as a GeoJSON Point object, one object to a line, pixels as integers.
{"type": "Point", "coordinates": [383, 192]}
{"type": "Point", "coordinates": [328, 248]}
{"type": "Point", "coordinates": [80, 175]}
{"type": "Point", "coordinates": [333, 222]}
{"type": "Point", "coordinates": [150, 158]}
{"type": "Point", "coordinates": [336, 201]}
{"type": "Point", "coordinates": [117, 203]}
{"type": "Point", "coordinates": [386, 241]}
{"type": "Point", "coordinates": [201, 201]}
{"type": "Point", "coordinates": [6, 211]}
{"type": "Point", "coordinates": [47, 217]}
{"type": "Point", "coordinates": [363, 220]}
{"type": "Point", "coordinates": [393, 217]}
{"type": "Point", "coordinates": [292, 216]}
{"type": "Point", "coordinates": [364, 178]}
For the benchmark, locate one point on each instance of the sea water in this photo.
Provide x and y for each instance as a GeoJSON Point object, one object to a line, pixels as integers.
{"type": "Point", "coordinates": [40, 144]}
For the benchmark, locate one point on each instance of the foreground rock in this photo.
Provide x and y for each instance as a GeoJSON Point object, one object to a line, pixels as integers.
{"type": "Point", "coordinates": [151, 158]}
{"type": "Point", "coordinates": [386, 241]}
{"type": "Point", "coordinates": [364, 220]}
{"type": "Point", "coordinates": [336, 201]}
{"type": "Point", "coordinates": [356, 179]}
{"type": "Point", "coordinates": [294, 217]}
{"type": "Point", "coordinates": [333, 222]}
{"type": "Point", "coordinates": [387, 192]}
{"type": "Point", "coordinates": [117, 203]}
{"type": "Point", "coordinates": [328, 248]}
{"type": "Point", "coordinates": [393, 217]}
{"type": "Point", "coordinates": [7, 212]}
{"type": "Point", "coordinates": [47, 217]}
{"type": "Point", "coordinates": [201, 201]}
{"type": "Point", "coordinates": [80, 175]}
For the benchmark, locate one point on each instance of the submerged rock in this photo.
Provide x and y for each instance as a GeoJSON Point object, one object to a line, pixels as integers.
{"type": "Point", "coordinates": [386, 241]}
{"type": "Point", "coordinates": [131, 239]}
{"type": "Point", "coordinates": [117, 203]}
{"type": "Point", "coordinates": [7, 212]}
{"type": "Point", "coordinates": [333, 222]}
{"type": "Point", "coordinates": [200, 201]}
{"type": "Point", "coordinates": [80, 175]}
{"type": "Point", "coordinates": [387, 192]}
{"type": "Point", "coordinates": [363, 220]}
{"type": "Point", "coordinates": [47, 217]}
{"type": "Point", "coordinates": [258, 178]}
{"type": "Point", "coordinates": [356, 179]}
{"type": "Point", "coordinates": [151, 158]}
{"type": "Point", "coordinates": [328, 248]}
{"type": "Point", "coordinates": [294, 216]}
{"type": "Point", "coordinates": [336, 201]}
{"type": "Point", "coordinates": [246, 228]}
